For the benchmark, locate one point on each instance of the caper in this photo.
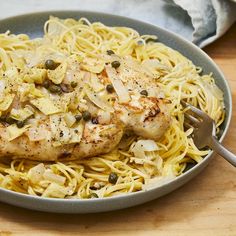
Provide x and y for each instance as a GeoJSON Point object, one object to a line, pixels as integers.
{"type": "Point", "coordinates": [50, 64]}
{"type": "Point", "coordinates": [110, 88]}
{"type": "Point", "coordinates": [112, 178]}
{"type": "Point", "coordinates": [110, 52]}
{"type": "Point", "coordinates": [20, 124]}
{"type": "Point", "coordinates": [144, 92]}
{"type": "Point", "coordinates": [115, 64]}
{"type": "Point", "coordinates": [93, 195]}
{"type": "Point", "coordinates": [46, 83]}
{"type": "Point", "coordinates": [73, 84]}
{"type": "Point", "coordinates": [54, 88]}
{"type": "Point", "coordinates": [78, 117]}
{"type": "Point", "coordinates": [86, 115]}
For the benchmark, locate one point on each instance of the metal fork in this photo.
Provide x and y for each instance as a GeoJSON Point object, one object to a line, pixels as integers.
{"type": "Point", "coordinates": [204, 133]}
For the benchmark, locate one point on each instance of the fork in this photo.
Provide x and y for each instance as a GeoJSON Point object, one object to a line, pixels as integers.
{"type": "Point", "coordinates": [204, 132]}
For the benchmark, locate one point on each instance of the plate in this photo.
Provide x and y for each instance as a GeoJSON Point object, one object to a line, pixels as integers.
{"type": "Point", "coordinates": [32, 24]}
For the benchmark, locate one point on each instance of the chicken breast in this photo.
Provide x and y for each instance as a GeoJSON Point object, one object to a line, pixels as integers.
{"type": "Point", "coordinates": [79, 109]}
{"type": "Point", "coordinates": [96, 139]}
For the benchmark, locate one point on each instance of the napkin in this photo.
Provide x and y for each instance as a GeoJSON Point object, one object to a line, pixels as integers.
{"type": "Point", "coordinates": [200, 21]}
{"type": "Point", "coordinates": [210, 18]}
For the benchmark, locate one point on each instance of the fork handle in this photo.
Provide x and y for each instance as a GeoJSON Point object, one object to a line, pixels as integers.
{"type": "Point", "coordinates": [221, 150]}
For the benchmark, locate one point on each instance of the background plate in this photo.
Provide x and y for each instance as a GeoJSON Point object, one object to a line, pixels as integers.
{"type": "Point", "coordinates": [32, 24]}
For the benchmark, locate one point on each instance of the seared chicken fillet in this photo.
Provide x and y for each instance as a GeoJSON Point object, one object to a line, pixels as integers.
{"type": "Point", "coordinates": [44, 150]}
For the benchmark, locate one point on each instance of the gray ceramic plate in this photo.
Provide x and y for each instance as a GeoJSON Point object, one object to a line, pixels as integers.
{"type": "Point", "coordinates": [32, 24]}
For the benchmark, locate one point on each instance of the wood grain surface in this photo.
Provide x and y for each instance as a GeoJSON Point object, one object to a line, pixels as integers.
{"type": "Point", "coordinates": [204, 206]}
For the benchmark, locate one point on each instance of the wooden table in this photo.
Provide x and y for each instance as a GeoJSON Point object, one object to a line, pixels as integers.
{"type": "Point", "coordinates": [204, 206]}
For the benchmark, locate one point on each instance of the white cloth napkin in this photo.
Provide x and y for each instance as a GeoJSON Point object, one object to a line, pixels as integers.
{"type": "Point", "coordinates": [210, 18]}
{"type": "Point", "coordinates": [200, 21]}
